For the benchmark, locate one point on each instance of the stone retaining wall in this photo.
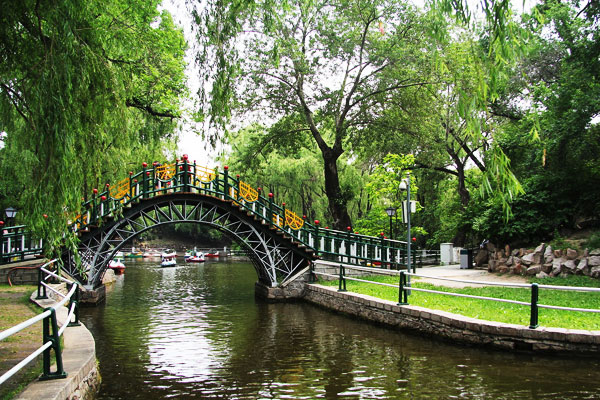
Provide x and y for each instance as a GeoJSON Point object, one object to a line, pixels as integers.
{"type": "Point", "coordinates": [456, 328]}
{"type": "Point", "coordinates": [21, 273]}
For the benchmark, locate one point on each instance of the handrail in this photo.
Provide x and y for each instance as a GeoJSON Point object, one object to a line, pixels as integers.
{"type": "Point", "coordinates": [184, 176]}
{"type": "Point", "coordinates": [404, 289]}
{"type": "Point", "coordinates": [51, 340]}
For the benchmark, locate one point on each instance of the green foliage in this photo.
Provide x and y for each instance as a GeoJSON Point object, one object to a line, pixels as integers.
{"type": "Point", "coordinates": [594, 241]}
{"type": "Point", "coordinates": [86, 91]}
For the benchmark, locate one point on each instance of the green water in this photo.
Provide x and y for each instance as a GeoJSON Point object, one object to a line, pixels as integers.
{"type": "Point", "coordinates": [197, 331]}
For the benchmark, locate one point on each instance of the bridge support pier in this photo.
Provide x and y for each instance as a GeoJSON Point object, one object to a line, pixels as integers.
{"type": "Point", "coordinates": [92, 296]}
{"type": "Point", "coordinates": [292, 290]}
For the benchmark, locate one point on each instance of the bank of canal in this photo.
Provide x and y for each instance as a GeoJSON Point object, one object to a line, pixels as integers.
{"type": "Point", "coordinates": [198, 331]}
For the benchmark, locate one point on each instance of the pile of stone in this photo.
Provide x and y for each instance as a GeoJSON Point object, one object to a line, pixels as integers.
{"type": "Point", "coordinates": [541, 262]}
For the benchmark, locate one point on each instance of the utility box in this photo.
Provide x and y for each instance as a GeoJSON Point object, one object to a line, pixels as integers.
{"type": "Point", "coordinates": [466, 258]}
{"type": "Point", "coordinates": [446, 250]}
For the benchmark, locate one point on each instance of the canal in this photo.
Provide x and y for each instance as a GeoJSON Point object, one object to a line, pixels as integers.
{"type": "Point", "coordinates": [197, 331]}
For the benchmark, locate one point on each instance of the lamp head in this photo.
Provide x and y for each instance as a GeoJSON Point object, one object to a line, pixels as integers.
{"type": "Point", "coordinates": [390, 211]}
{"type": "Point", "coordinates": [10, 212]}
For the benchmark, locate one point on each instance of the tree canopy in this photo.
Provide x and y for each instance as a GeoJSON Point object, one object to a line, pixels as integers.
{"type": "Point", "coordinates": [86, 89]}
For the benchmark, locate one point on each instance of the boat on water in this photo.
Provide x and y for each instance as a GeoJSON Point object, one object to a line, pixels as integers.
{"type": "Point", "coordinates": [196, 258]}
{"type": "Point", "coordinates": [154, 254]}
{"type": "Point", "coordinates": [168, 258]}
{"type": "Point", "coordinates": [117, 265]}
{"type": "Point", "coordinates": [134, 253]}
{"type": "Point", "coordinates": [212, 254]}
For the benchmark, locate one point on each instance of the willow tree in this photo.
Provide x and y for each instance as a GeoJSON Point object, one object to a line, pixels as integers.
{"type": "Point", "coordinates": [329, 67]}
{"type": "Point", "coordinates": [85, 87]}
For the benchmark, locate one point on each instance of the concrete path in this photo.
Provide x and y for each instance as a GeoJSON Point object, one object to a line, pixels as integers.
{"type": "Point", "coordinates": [79, 361]}
{"type": "Point", "coordinates": [455, 272]}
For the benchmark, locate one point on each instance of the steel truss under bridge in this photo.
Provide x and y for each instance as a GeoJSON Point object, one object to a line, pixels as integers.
{"type": "Point", "coordinates": [275, 256]}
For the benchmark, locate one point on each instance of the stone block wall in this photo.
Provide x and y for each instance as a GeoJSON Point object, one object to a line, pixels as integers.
{"type": "Point", "coordinates": [454, 327]}
{"type": "Point", "coordinates": [18, 276]}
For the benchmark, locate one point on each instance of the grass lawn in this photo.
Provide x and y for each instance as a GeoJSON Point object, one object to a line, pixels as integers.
{"type": "Point", "coordinates": [496, 311]}
{"type": "Point", "coordinates": [14, 309]}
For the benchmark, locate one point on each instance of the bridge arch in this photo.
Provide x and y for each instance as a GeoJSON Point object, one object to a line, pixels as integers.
{"type": "Point", "coordinates": [275, 256]}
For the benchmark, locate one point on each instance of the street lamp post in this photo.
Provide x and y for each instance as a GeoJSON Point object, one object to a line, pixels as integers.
{"type": "Point", "coordinates": [11, 213]}
{"type": "Point", "coordinates": [405, 185]}
{"type": "Point", "coordinates": [391, 211]}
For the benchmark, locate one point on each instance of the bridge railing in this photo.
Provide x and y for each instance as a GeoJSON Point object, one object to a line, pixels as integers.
{"type": "Point", "coordinates": [51, 331]}
{"type": "Point", "coordinates": [16, 242]}
{"type": "Point", "coordinates": [188, 177]}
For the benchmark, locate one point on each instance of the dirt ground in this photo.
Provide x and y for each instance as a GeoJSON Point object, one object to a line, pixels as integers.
{"type": "Point", "coordinates": [14, 309]}
{"type": "Point", "coordinates": [454, 272]}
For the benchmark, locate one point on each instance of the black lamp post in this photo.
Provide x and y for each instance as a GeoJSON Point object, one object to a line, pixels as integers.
{"type": "Point", "coordinates": [11, 213]}
{"type": "Point", "coordinates": [391, 211]}
{"type": "Point", "coordinates": [405, 185]}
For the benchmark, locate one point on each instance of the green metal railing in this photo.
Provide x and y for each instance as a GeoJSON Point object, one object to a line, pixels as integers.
{"type": "Point", "coordinates": [405, 289]}
{"type": "Point", "coordinates": [16, 242]}
{"type": "Point", "coordinates": [187, 177]}
{"type": "Point", "coordinates": [51, 332]}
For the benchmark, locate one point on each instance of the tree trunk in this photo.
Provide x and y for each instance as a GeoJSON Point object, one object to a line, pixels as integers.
{"type": "Point", "coordinates": [337, 203]}
{"type": "Point", "coordinates": [461, 235]}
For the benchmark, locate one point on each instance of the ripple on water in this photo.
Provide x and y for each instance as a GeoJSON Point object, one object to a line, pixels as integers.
{"type": "Point", "coordinates": [198, 331]}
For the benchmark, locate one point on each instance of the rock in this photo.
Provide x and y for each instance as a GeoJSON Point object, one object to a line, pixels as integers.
{"type": "Point", "coordinates": [109, 276]}
{"type": "Point", "coordinates": [547, 267]}
{"type": "Point", "coordinates": [521, 252]}
{"type": "Point", "coordinates": [556, 266]}
{"type": "Point", "coordinates": [595, 252]}
{"type": "Point", "coordinates": [507, 250]}
{"type": "Point", "coordinates": [515, 252]}
{"type": "Point", "coordinates": [532, 258]}
{"type": "Point", "coordinates": [481, 257]}
{"type": "Point", "coordinates": [548, 255]}
{"type": "Point", "coordinates": [542, 275]}
{"type": "Point", "coordinates": [492, 265]}
{"type": "Point", "coordinates": [569, 266]}
{"type": "Point", "coordinates": [517, 269]}
{"type": "Point", "coordinates": [581, 267]}
{"type": "Point", "coordinates": [503, 269]}
{"type": "Point", "coordinates": [490, 247]}
{"type": "Point", "coordinates": [595, 272]}
{"type": "Point", "coordinates": [510, 261]}
{"type": "Point", "coordinates": [572, 254]}
{"type": "Point", "coordinates": [540, 249]}
{"type": "Point", "coordinates": [527, 259]}
{"type": "Point", "coordinates": [557, 254]}
{"type": "Point", "coordinates": [593, 261]}
{"type": "Point", "coordinates": [534, 269]}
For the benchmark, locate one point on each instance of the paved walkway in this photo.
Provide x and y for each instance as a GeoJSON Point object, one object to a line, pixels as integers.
{"type": "Point", "coordinates": [455, 272]}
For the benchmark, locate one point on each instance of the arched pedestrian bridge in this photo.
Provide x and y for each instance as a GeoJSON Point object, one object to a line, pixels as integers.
{"type": "Point", "coordinates": [279, 242]}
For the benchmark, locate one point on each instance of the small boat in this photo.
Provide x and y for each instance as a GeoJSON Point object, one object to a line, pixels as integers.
{"type": "Point", "coordinates": [197, 257]}
{"type": "Point", "coordinates": [212, 254]}
{"type": "Point", "coordinates": [116, 264]}
{"type": "Point", "coordinates": [168, 258]}
{"type": "Point", "coordinates": [151, 254]}
{"type": "Point", "coordinates": [168, 262]}
{"type": "Point", "coordinates": [134, 254]}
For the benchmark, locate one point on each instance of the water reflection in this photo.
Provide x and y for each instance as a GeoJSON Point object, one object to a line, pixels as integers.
{"type": "Point", "coordinates": [198, 332]}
